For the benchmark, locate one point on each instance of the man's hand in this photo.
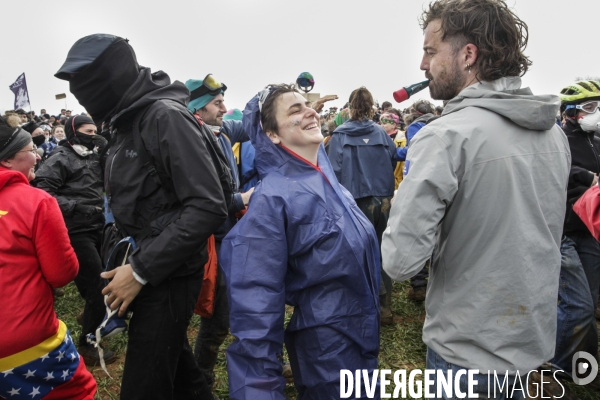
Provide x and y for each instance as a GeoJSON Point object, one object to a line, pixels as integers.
{"type": "Point", "coordinates": [595, 181]}
{"type": "Point", "coordinates": [122, 289]}
{"type": "Point", "coordinates": [88, 211]}
{"type": "Point", "coordinates": [246, 196]}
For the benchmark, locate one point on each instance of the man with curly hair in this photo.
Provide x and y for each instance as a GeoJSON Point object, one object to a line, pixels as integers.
{"type": "Point", "coordinates": [485, 199]}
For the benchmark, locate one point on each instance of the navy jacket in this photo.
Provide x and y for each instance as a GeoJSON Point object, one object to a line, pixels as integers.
{"type": "Point", "coordinates": [231, 132]}
{"type": "Point", "coordinates": [47, 147]}
{"type": "Point", "coordinates": [305, 243]}
{"type": "Point", "coordinates": [411, 131]}
{"type": "Point", "coordinates": [248, 173]}
{"type": "Point", "coordinates": [362, 157]}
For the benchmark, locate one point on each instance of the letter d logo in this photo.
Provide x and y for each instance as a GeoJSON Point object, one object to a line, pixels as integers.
{"type": "Point", "coordinates": [583, 368]}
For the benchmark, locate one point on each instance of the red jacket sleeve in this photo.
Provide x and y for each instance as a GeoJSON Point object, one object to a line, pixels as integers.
{"type": "Point", "coordinates": [588, 209]}
{"type": "Point", "coordinates": [51, 240]}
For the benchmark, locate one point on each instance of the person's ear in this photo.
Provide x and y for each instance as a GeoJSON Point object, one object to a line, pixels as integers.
{"type": "Point", "coordinates": [6, 164]}
{"type": "Point", "coordinates": [470, 53]}
{"type": "Point", "coordinates": [274, 137]}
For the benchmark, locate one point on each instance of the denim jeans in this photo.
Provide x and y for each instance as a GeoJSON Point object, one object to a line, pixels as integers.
{"type": "Point", "coordinates": [577, 299]}
{"type": "Point", "coordinates": [435, 361]}
{"type": "Point", "coordinates": [377, 210]}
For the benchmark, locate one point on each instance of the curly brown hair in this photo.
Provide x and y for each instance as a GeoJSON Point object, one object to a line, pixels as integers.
{"type": "Point", "coordinates": [423, 107]}
{"type": "Point", "coordinates": [361, 104]}
{"type": "Point", "coordinates": [499, 34]}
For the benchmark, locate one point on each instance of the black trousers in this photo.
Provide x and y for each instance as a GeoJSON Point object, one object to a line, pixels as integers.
{"type": "Point", "coordinates": [159, 363]}
{"type": "Point", "coordinates": [88, 281]}
{"type": "Point", "coordinates": [214, 330]}
{"type": "Point", "coordinates": [377, 210]}
{"type": "Point", "coordinates": [420, 279]}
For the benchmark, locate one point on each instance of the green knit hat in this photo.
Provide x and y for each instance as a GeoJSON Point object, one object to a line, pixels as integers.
{"type": "Point", "coordinates": [197, 103]}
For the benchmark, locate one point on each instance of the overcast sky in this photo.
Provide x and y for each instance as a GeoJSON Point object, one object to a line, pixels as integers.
{"type": "Point", "coordinates": [249, 43]}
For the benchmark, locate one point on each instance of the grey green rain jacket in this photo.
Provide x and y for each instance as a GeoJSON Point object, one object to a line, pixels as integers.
{"type": "Point", "coordinates": [486, 197]}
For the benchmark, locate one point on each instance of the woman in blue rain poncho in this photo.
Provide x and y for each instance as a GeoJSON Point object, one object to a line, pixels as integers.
{"type": "Point", "coordinates": [303, 242]}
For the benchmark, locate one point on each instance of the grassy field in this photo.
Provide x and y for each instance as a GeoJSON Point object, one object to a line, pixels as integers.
{"type": "Point", "coordinates": [401, 345]}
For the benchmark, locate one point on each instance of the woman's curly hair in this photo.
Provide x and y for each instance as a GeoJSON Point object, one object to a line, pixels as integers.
{"type": "Point", "coordinates": [500, 36]}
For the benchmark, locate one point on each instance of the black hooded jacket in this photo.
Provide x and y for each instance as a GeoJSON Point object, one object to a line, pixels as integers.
{"type": "Point", "coordinates": [74, 181]}
{"type": "Point", "coordinates": [585, 156]}
{"type": "Point", "coordinates": [183, 215]}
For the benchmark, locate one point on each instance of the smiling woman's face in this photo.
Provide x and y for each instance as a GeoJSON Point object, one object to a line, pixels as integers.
{"type": "Point", "coordinates": [24, 161]}
{"type": "Point", "coordinates": [297, 123]}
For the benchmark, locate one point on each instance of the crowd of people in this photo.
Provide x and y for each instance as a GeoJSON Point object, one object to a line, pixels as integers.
{"type": "Point", "coordinates": [159, 203]}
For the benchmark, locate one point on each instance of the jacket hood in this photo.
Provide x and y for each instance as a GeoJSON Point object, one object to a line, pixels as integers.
{"type": "Point", "coordinates": [9, 177]}
{"type": "Point", "coordinates": [505, 97]}
{"type": "Point", "coordinates": [148, 88]}
{"type": "Point", "coordinates": [357, 128]}
{"type": "Point", "coordinates": [269, 156]}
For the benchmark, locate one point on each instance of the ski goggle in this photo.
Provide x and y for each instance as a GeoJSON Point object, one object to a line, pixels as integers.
{"type": "Point", "coordinates": [389, 118]}
{"type": "Point", "coordinates": [589, 107]}
{"type": "Point", "coordinates": [209, 86]}
{"type": "Point", "coordinates": [262, 96]}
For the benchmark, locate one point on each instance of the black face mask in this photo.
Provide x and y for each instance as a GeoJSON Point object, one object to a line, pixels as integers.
{"type": "Point", "coordinates": [101, 85]}
{"type": "Point", "coordinates": [39, 140]}
{"type": "Point", "coordinates": [84, 140]}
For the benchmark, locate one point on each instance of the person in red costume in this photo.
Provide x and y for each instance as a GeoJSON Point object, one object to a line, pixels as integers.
{"type": "Point", "coordinates": [38, 359]}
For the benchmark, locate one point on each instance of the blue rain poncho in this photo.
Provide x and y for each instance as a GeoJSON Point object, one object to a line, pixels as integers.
{"type": "Point", "coordinates": [305, 243]}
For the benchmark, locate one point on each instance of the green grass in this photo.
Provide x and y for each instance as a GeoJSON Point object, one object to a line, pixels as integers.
{"type": "Point", "coordinates": [401, 345]}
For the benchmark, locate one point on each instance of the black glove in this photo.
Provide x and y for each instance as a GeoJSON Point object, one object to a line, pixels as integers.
{"type": "Point", "coordinates": [99, 141]}
{"type": "Point", "coordinates": [87, 210]}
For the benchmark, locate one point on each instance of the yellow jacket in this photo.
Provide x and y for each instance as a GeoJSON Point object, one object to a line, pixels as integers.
{"type": "Point", "coordinates": [398, 172]}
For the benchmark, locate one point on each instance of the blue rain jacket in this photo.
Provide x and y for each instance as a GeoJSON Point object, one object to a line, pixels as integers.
{"type": "Point", "coordinates": [411, 131]}
{"type": "Point", "coordinates": [362, 155]}
{"type": "Point", "coordinates": [231, 132]}
{"type": "Point", "coordinates": [248, 173]}
{"type": "Point", "coordinates": [305, 243]}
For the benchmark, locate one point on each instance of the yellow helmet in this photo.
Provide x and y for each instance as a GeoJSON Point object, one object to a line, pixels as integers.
{"type": "Point", "coordinates": [579, 91]}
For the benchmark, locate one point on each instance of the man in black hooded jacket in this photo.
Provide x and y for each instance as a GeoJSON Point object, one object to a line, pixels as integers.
{"type": "Point", "coordinates": [170, 213]}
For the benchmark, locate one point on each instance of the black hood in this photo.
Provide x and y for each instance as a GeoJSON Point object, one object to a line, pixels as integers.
{"type": "Point", "coordinates": [148, 88]}
{"type": "Point", "coordinates": [101, 85]}
{"type": "Point", "coordinates": [74, 122]}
